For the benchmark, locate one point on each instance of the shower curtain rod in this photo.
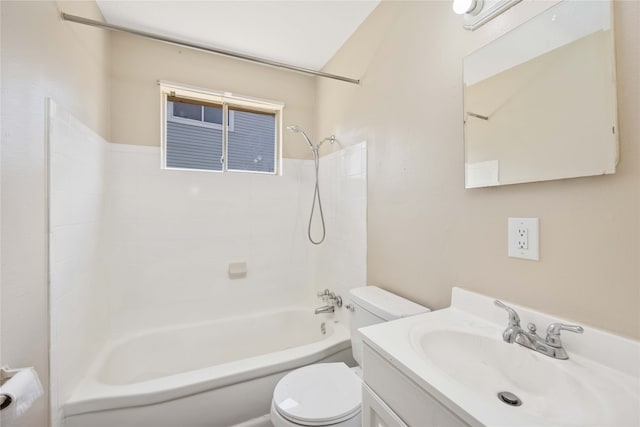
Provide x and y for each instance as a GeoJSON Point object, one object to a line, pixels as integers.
{"type": "Point", "coordinates": [169, 40]}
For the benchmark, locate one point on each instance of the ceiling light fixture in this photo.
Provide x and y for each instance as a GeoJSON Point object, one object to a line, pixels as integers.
{"type": "Point", "coordinates": [478, 12]}
{"type": "Point", "coordinates": [462, 7]}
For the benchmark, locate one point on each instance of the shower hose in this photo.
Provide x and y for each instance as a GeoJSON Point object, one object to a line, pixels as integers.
{"type": "Point", "coordinates": [316, 196]}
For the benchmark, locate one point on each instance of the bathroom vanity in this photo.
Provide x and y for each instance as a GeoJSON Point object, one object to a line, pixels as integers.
{"type": "Point", "coordinates": [449, 367]}
{"type": "Point", "coordinates": [386, 387]}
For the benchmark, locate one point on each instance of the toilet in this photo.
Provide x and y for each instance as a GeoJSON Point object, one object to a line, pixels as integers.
{"type": "Point", "coordinates": [326, 394]}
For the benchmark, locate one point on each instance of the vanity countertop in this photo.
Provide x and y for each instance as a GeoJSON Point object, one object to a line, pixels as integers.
{"type": "Point", "coordinates": [458, 356]}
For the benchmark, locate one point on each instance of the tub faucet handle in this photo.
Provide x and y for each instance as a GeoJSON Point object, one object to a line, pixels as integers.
{"type": "Point", "coordinates": [331, 299]}
{"type": "Point", "coordinates": [335, 300]}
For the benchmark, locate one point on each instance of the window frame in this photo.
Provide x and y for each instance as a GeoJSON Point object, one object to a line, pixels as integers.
{"type": "Point", "coordinates": [177, 119]}
{"type": "Point", "coordinates": [228, 101]}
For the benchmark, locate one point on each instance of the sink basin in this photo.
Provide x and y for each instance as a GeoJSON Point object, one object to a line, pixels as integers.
{"type": "Point", "coordinates": [458, 357]}
{"type": "Point", "coordinates": [547, 387]}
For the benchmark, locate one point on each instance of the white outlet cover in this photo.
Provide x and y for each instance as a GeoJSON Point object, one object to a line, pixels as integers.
{"type": "Point", "coordinates": [532, 251]}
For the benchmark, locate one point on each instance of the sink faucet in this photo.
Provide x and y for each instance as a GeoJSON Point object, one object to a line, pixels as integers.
{"type": "Point", "coordinates": [550, 346]}
{"type": "Point", "coordinates": [332, 301]}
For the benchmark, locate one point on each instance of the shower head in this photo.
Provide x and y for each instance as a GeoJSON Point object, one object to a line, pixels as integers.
{"type": "Point", "coordinates": [298, 129]}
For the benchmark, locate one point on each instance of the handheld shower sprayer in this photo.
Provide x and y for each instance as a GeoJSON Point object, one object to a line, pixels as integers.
{"type": "Point", "coordinates": [297, 129]}
{"type": "Point", "coordinates": [316, 193]}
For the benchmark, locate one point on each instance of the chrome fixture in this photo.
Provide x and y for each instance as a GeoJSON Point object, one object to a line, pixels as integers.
{"type": "Point", "coordinates": [550, 346]}
{"type": "Point", "coordinates": [325, 309]}
{"type": "Point", "coordinates": [509, 398]}
{"type": "Point", "coordinates": [479, 12]}
{"type": "Point", "coordinates": [332, 301]}
{"type": "Point", "coordinates": [298, 129]}
{"type": "Point", "coordinates": [204, 48]}
{"type": "Point", "coordinates": [316, 193]}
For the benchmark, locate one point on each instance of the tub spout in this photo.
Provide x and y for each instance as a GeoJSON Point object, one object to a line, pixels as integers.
{"type": "Point", "coordinates": [325, 309]}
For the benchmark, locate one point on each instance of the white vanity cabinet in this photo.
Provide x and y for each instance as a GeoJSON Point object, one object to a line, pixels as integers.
{"type": "Point", "coordinates": [375, 413]}
{"type": "Point", "coordinates": [391, 399]}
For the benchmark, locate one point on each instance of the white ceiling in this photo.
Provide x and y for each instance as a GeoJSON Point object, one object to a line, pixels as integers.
{"type": "Point", "coordinates": [298, 32]}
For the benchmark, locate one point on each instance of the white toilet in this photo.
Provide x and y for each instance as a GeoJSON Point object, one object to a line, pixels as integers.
{"type": "Point", "coordinates": [330, 393]}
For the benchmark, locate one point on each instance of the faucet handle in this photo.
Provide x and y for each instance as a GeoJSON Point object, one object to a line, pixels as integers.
{"type": "Point", "coordinates": [335, 300]}
{"type": "Point", "coordinates": [514, 319]}
{"type": "Point", "coordinates": [323, 293]}
{"type": "Point", "coordinates": [555, 328]}
{"type": "Point", "coordinates": [331, 296]}
{"type": "Point", "coordinates": [553, 333]}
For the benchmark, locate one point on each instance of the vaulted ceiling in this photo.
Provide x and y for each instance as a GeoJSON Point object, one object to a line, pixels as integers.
{"type": "Point", "coordinates": [302, 33]}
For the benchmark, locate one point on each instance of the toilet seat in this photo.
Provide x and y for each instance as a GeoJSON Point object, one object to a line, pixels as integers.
{"type": "Point", "coordinates": [320, 394]}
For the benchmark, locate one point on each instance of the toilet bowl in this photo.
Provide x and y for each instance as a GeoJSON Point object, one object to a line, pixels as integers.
{"type": "Point", "coordinates": [318, 395]}
{"type": "Point", "coordinates": [330, 394]}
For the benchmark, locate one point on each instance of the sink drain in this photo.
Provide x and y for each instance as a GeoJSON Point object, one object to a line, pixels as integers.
{"type": "Point", "coordinates": [509, 398]}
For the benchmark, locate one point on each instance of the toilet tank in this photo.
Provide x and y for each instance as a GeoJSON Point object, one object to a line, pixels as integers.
{"type": "Point", "coordinates": [373, 305]}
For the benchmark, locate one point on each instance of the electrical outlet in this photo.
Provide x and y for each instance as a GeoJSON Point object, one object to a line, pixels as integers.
{"type": "Point", "coordinates": [523, 238]}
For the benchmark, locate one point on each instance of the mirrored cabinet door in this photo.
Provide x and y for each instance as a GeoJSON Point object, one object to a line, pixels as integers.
{"type": "Point", "coordinates": [540, 101]}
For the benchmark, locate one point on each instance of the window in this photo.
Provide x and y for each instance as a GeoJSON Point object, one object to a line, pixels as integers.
{"type": "Point", "coordinates": [211, 131]}
{"type": "Point", "coordinates": [197, 115]}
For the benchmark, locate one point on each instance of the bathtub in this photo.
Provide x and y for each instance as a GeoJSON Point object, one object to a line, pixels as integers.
{"type": "Point", "coordinates": [218, 373]}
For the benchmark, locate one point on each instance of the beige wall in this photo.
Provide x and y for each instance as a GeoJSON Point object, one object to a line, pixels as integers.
{"type": "Point", "coordinates": [138, 64]}
{"type": "Point", "coordinates": [426, 232]}
{"type": "Point", "coordinates": [42, 56]}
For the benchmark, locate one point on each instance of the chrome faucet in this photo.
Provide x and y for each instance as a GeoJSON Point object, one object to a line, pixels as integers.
{"type": "Point", "coordinates": [550, 346]}
{"type": "Point", "coordinates": [325, 309]}
{"type": "Point", "coordinates": [332, 301]}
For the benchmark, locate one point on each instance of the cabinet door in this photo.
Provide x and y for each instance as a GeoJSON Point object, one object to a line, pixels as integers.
{"type": "Point", "coordinates": [415, 406]}
{"type": "Point", "coordinates": [375, 413]}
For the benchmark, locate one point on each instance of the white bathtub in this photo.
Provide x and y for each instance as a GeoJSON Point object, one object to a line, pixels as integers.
{"type": "Point", "coordinates": [210, 374]}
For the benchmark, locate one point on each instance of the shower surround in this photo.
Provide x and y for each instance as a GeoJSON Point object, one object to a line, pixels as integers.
{"type": "Point", "coordinates": [136, 247]}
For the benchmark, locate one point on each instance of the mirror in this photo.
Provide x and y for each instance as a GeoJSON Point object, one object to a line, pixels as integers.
{"type": "Point", "coordinates": [540, 101]}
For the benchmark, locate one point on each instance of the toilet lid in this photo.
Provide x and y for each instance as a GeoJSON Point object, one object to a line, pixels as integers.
{"type": "Point", "coordinates": [324, 393]}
